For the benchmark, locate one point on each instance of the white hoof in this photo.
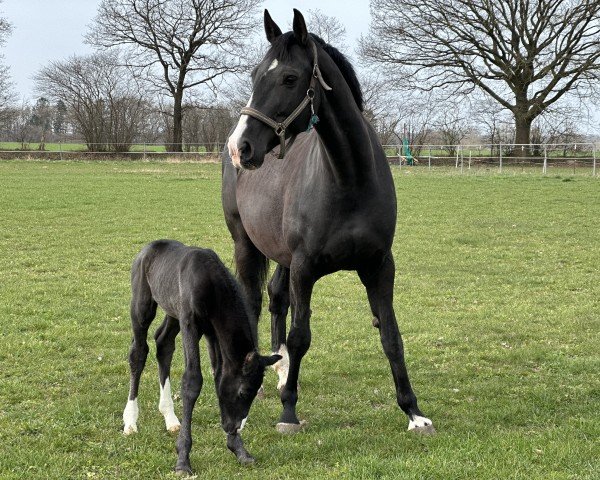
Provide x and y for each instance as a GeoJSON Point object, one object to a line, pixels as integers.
{"type": "Point", "coordinates": [166, 407]}
{"type": "Point", "coordinates": [421, 425]}
{"type": "Point", "coordinates": [172, 425]}
{"type": "Point", "coordinates": [130, 417]}
{"type": "Point", "coordinates": [130, 429]}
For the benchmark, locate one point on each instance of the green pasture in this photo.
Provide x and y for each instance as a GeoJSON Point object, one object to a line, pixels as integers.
{"type": "Point", "coordinates": [497, 296]}
{"type": "Point", "coordinates": [82, 147]}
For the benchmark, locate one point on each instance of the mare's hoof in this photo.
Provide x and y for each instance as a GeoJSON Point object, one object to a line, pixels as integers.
{"type": "Point", "coordinates": [184, 472]}
{"type": "Point", "coordinates": [427, 430]}
{"type": "Point", "coordinates": [288, 428]}
{"type": "Point", "coordinates": [421, 425]}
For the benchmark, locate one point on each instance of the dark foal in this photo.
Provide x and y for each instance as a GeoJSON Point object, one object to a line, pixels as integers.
{"type": "Point", "coordinates": [200, 297]}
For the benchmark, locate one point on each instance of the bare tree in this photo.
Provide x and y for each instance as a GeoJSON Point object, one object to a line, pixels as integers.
{"type": "Point", "coordinates": [329, 28]}
{"type": "Point", "coordinates": [6, 92]}
{"type": "Point", "coordinates": [102, 97]}
{"type": "Point", "coordinates": [177, 44]}
{"type": "Point", "coordinates": [525, 55]}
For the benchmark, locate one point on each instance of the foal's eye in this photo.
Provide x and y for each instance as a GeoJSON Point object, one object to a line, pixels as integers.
{"type": "Point", "coordinates": [290, 80]}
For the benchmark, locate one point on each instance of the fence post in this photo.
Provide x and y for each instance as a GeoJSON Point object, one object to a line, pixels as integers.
{"type": "Point", "coordinates": [399, 157]}
{"type": "Point", "coordinates": [469, 159]}
{"type": "Point", "coordinates": [545, 160]}
{"type": "Point", "coordinates": [594, 155]}
{"type": "Point", "coordinates": [429, 161]}
{"type": "Point", "coordinates": [462, 160]}
{"type": "Point", "coordinates": [500, 150]}
{"type": "Point", "coordinates": [144, 150]}
{"type": "Point", "coordinates": [60, 149]}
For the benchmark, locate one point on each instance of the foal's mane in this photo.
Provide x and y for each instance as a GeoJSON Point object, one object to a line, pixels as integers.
{"type": "Point", "coordinates": [281, 49]}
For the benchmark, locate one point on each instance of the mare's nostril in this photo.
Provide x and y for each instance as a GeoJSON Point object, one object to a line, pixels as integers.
{"type": "Point", "coordinates": [245, 150]}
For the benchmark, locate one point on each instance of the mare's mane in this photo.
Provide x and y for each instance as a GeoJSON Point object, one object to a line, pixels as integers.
{"type": "Point", "coordinates": [281, 49]}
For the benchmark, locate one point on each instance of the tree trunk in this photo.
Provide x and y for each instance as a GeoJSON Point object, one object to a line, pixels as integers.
{"type": "Point", "coordinates": [522, 135]}
{"type": "Point", "coordinates": [177, 145]}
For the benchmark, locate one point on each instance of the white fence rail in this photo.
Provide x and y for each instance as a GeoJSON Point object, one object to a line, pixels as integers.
{"type": "Point", "coordinates": [543, 158]}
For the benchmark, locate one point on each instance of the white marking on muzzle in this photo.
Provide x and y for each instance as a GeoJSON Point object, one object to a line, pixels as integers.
{"type": "Point", "coordinates": [165, 406]}
{"type": "Point", "coordinates": [130, 417]}
{"type": "Point", "coordinates": [234, 138]}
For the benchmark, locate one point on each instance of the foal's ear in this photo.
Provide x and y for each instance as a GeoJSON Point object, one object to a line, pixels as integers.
{"type": "Point", "coordinates": [271, 28]}
{"type": "Point", "coordinates": [300, 31]}
{"type": "Point", "coordinates": [268, 361]}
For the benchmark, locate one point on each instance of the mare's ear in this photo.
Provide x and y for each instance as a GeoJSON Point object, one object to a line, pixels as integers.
{"type": "Point", "coordinates": [267, 361]}
{"type": "Point", "coordinates": [271, 28]}
{"type": "Point", "coordinates": [300, 31]}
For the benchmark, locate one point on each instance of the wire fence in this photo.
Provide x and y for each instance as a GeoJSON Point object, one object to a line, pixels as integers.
{"type": "Point", "coordinates": [578, 158]}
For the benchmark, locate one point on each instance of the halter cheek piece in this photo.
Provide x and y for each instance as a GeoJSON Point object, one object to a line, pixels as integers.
{"type": "Point", "coordinates": [280, 127]}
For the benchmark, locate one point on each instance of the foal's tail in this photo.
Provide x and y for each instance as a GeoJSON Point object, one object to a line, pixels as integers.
{"type": "Point", "coordinates": [143, 306]}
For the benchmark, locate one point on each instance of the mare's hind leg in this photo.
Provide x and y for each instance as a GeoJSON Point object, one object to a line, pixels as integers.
{"type": "Point", "coordinates": [143, 311]}
{"type": "Point", "coordinates": [380, 289]}
{"type": "Point", "coordinates": [165, 346]}
{"type": "Point", "coordinates": [279, 303]}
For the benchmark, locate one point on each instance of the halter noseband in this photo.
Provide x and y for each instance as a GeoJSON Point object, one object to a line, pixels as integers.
{"type": "Point", "coordinates": [280, 127]}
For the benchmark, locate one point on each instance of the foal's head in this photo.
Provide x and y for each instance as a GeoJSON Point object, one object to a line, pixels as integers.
{"type": "Point", "coordinates": [237, 390]}
{"type": "Point", "coordinates": [281, 83]}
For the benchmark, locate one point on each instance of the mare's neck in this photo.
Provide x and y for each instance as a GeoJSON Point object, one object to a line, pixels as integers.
{"type": "Point", "coordinates": [342, 129]}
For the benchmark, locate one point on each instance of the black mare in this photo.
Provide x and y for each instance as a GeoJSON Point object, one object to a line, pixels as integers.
{"type": "Point", "coordinates": [328, 205]}
{"type": "Point", "coordinates": [200, 297]}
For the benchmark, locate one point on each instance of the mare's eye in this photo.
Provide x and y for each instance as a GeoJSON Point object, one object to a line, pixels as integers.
{"type": "Point", "coordinates": [290, 80]}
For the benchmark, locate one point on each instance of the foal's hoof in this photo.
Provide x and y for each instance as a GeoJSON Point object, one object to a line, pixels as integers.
{"type": "Point", "coordinates": [245, 459]}
{"type": "Point", "coordinates": [421, 425]}
{"type": "Point", "coordinates": [129, 429]}
{"type": "Point", "coordinates": [174, 428]}
{"type": "Point", "coordinates": [289, 428]}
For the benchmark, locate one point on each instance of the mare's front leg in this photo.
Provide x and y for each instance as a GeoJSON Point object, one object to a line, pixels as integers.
{"type": "Point", "coordinates": [251, 268]}
{"type": "Point", "coordinates": [143, 311]}
{"type": "Point", "coordinates": [298, 342]}
{"type": "Point", "coordinates": [191, 384]}
{"type": "Point", "coordinates": [379, 283]}
{"type": "Point", "coordinates": [165, 346]}
{"type": "Point", "coordinates": [279, 303]}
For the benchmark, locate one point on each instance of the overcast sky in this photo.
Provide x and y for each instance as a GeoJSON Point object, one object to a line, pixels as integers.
{"type": "Point", "coordinates": [45, 30]}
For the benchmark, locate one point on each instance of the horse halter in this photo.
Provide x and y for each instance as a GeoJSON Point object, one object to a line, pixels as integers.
{"type": "Point", "coordinates": [280, 127]}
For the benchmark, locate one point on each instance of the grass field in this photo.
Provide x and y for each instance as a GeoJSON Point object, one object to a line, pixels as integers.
{"type": "Point", "coordinates": [497, 295]}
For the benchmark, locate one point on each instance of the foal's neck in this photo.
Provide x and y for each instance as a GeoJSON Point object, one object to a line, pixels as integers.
{"type": "Point", "coordinates": [234, 334]}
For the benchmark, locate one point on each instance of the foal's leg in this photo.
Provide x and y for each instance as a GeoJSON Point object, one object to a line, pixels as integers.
{"type": "Point", "coordinates": [165, 346]}
{"type": "Point", "coordinates": [279, 303]}
{"type": "Point", "coordinates": [143, 311]}
{"type": "Point", "coordinates": [191, 384]}
{"type": "Point", "coordinates": [298, 342]}
{"type": "Point", "coordinates": [380, 289]}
